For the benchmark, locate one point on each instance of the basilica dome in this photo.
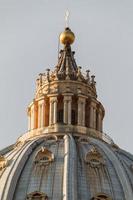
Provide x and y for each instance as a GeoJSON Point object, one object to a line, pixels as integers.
{"type": "Point", "coordinates": [65, 154]}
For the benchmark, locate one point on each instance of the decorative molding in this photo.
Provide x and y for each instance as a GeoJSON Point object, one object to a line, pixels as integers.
{"type": "Point", "coordinates": [19, 144]}
{"type": "Point", "coordinates": [51, 138]}
{"type": "Point", "coordinates": [3, 162]}
{"type": "Point", "coordinates": [84, 139]}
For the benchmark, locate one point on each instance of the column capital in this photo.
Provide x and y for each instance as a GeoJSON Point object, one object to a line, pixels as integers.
{"type": "Point", "coordinates": [82, 99]}
{"type": "Point", "coordinates": [53, 98]}
{"type": "Point", "coordinates": [41, 101]}
{"type": "Point", "coordinates": [93, 104]}
{"type": "Point", "coordinates": [100, 111]}
{"type": "Point", "coordinates": [101, 108]}
{"type": "Point", "coordinates": [34, 105]}
{"type": "Point", "coordinates": [52, 95]}
{"type": "Point", "coordinates": [82, 96]}
{"type": "Point", "coordinates": [81, 109]}
{"type": "Point", "coordinates": [29, 111]}
{"type": "Point", "coordinates": [67, 96]}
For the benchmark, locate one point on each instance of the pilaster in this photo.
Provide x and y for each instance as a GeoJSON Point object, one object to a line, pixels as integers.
{"type": "Point", "coordinates": [81, 110]}
{"type": "Point", "coordinates": [53, 110]}
{"type": "Point", "coordinates": [67, 108]}
{"type": "Point", "coordinates": [92, 123]}
{"type": "Point", "coordinates": [34, 115]}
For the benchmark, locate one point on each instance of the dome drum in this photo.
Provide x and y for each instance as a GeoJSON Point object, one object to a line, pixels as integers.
{"type": "Point", "coordinates": [66, 109]}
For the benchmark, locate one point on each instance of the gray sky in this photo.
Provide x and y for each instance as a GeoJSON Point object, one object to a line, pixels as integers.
{"type": "Point", "coordinates": [29, 32]}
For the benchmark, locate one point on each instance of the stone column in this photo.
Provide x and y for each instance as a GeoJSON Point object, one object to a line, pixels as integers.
{"type": "Point", "coordinates": [91, 117]}
{"type": "Point", "coordinates": [69, 111]}
{"type": "Point", "coordinates": [81, 110]}
{"type": "Point", "coordinates": [53, 110]}
{"type": "Point", "coordinates": [34, 115]}
{"type": "Point", "coordinates": [29, 123]}
{"type": "Point", "coordinates": [99, 120]}
{"type": "Point", "coordinates": [29, 118]}
{"type": "Point", "coordinates": [94, 118]}
{"type": "Point", "coordinates": [67, 108]}
{"type": "Point", "coordinates": [65, 117]}
{"type": "Point", "coordinates": [101, 127]}
{"type": "Point", "coordinates": [39, 115]}
{"type": "Point", "coordinates": [83, 118]}
{"type": "Point", "coordinates": [79, 113]}
{"type": "Point", "coordinates": [43, 113]}
{"type": "Point", "coordinates": [92, 123]}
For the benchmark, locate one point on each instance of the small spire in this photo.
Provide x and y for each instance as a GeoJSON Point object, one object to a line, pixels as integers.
{"type": "Point", "coordinates": [40, 78]}
{"type": "Point", "coordinates": [48, 70]}
{"type": "Point", "coordinates": [66, 67]}
{"type": "Point", "coordinates": [88, 76]}
{"type": "Point", "coordinates": [37, 83]}
{"type": "Point", "coordinates": [79, 72]}
{"type": "Point", "coordinates": [93, 82]}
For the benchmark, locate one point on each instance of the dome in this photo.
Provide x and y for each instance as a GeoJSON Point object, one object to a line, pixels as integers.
{"type": "Point", "coordinates": [65, 154]}
{"type": "Point", "coordinates": [66, 166]}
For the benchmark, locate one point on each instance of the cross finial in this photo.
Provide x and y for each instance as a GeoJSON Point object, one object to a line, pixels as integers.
{"type": "Point", "coordinates": [67, 18]}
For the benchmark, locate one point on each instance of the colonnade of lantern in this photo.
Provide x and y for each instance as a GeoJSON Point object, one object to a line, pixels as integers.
{"type": "Point", "coordinates": [76, 110]}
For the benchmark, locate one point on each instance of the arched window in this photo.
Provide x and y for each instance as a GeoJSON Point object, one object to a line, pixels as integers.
{"type": "Point", "coordinates": [101, 196]}
{"type": "Point", "coordinates": [37, 196]}
{"type": "Point", "coordinates": [44, 157]}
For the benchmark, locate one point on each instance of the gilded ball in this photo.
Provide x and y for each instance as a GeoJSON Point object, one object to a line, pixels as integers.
{"type": "Point", "coordinates": [67, 37]}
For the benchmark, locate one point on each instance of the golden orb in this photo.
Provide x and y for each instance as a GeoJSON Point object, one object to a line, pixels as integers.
{"type": "Point", "coordinates": [67, 37]}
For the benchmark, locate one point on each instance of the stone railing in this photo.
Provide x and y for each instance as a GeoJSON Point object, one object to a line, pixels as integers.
{"type": "Point", "coordinates": [107, 138]}
{"type": "Point", "coordinates": [66, 129]}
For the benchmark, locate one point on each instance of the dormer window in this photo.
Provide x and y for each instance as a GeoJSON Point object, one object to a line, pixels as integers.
{"type": "Point", "coordinates": [84, 140]}
{"type": "Point", "coordinates": [94, 158]}
{"type": "Point", "coordinates": [44, 157]}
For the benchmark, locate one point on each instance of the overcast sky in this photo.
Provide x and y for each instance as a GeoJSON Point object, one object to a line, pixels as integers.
{"type": "Point", "coordinates": [29, 32]}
